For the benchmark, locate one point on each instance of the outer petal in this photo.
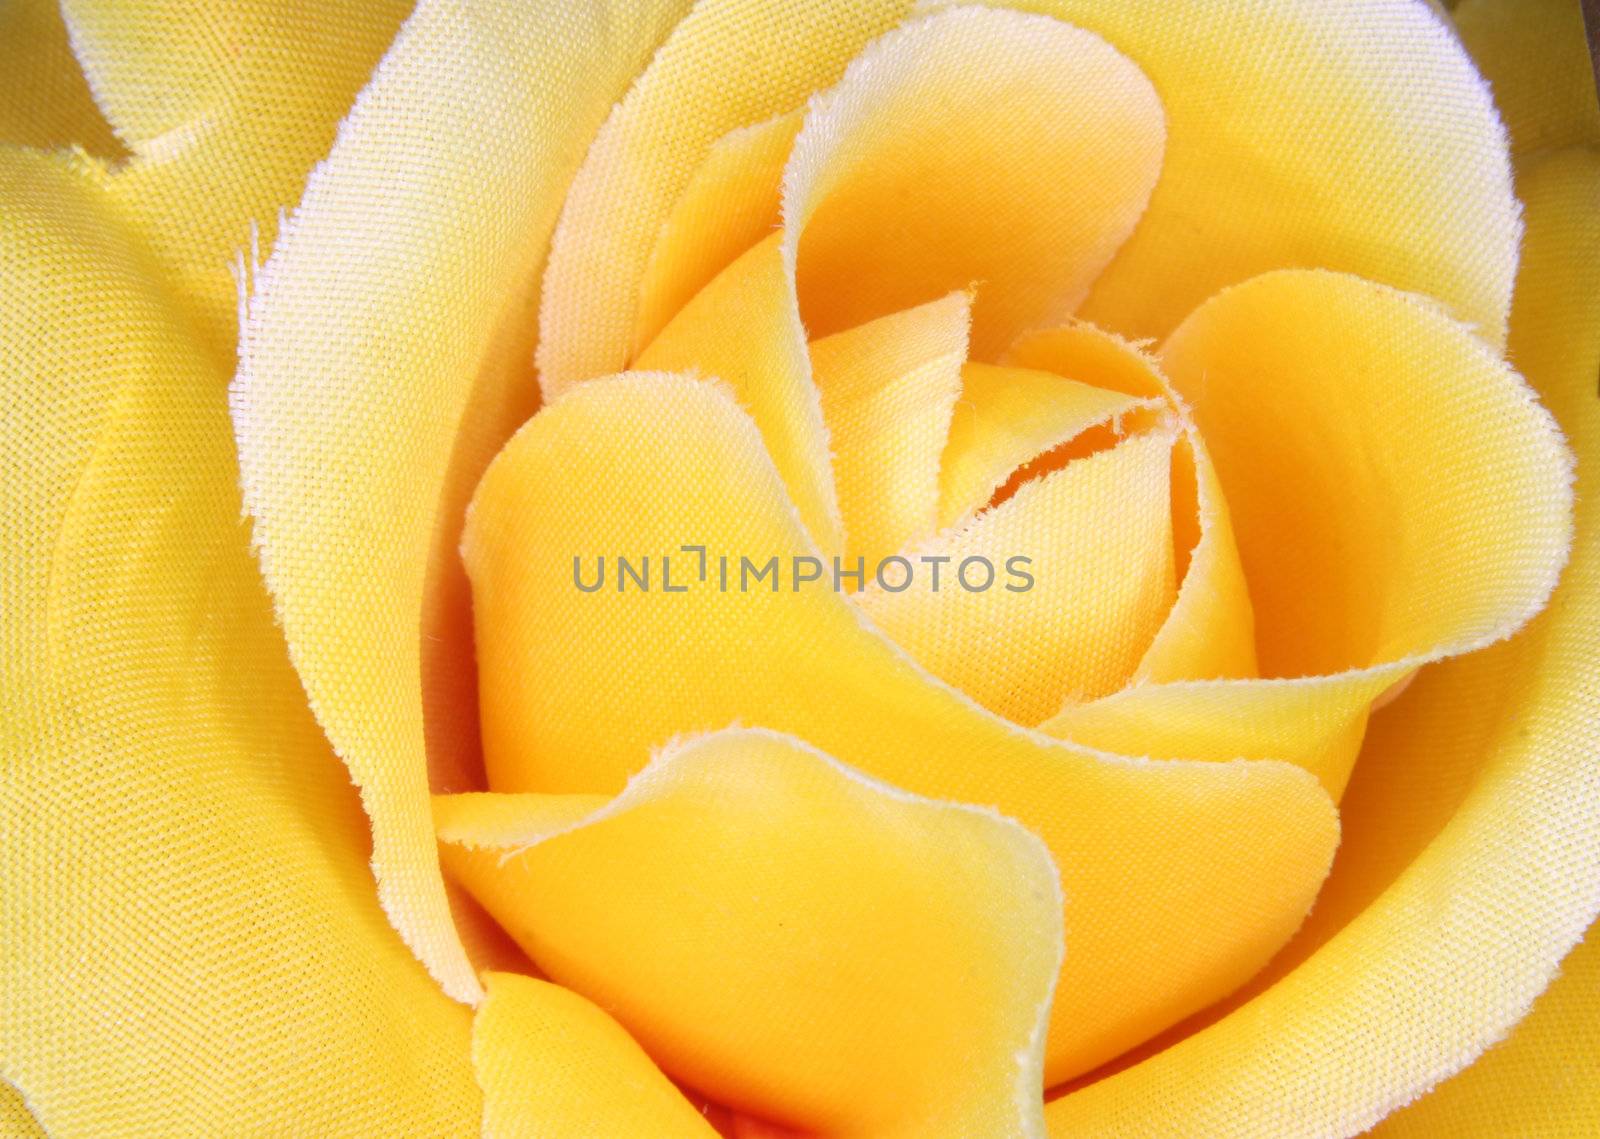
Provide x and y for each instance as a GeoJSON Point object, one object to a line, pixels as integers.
{"type": "Point", "coordinates": [1472, 857]}
{"type": "Point", "coordinates": [185, 913]}
{"type": "Point", "coordinates": [790, 937]}
{"type": "Point", "coordinates": [1350, 137]}
{"type": "Point", "coordinates": [577, 687]}
{"type": "Point", "coordinates": [385, 356]}
{"type": "Point", "coordinates": [554, 1066]}
{"type": "Point", "coordinates": [1543, 1080]}
{"type": "Point", "coordinates": [225, 105]}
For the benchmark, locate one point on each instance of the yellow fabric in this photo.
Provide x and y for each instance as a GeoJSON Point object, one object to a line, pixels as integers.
{"type": "Point", "coordinates": [740, 330]}
{"type": "Point", "coordinates": [729, 64]}
{"type": "Point", "coordinates": [555, 1066]}
{"type": "Point", "coordinates": [1100, 580]}
{"type": "Point", "coordinates": [888, 389]}
{"type": "Point", "coordinates": [189, 922]}
{"type": "Point", "coordinates": [224, 105]}
{"type": "Point", "coordinates": [772, 925]}
{"type": "Point", "coordinates": [731, 202]}
{"type": "Point", "coordinates": [349, 336]}
{"type": "Point", "coordinates": [1007, 417]}
{"type": "Point", "coordinates": [44, 100]}
{"type": "Point", "coordinates": [663, 457]}
{"type": "Point", "coordinates": [1411, 555]}
{"type": "Point", "coordinates": [1012, 152]}
{"type": "Point", "coordinates": [1305, 134]}
{"type": "Point", "coordinates": [1469, 864]}
{"type": "Point", "coordinates": [1210, 630]}
{"type": "Point", "coordinates": [1202, 304]}
{"type": "Point", "coordinates": [1543, 1081]}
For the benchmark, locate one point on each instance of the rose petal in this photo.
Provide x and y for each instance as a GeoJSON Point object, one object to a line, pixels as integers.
{"type": "Point", "coordinates": [888, 388]}
{"type": "Point", "coordinates": [1210, 630]}
{"type": "Point", "coordinates": [577, 687]}
{"type": "Point", "coordinates": [796, 940]}
{"type": "Point", "coordinates": [1305, 133]}
{"type": "Point", "coordinates": [732, 200]}
{"type": "Point", "coordinates": [186, 913]}
{"type": "Point", "coordinates": [44, 101]}
{"type": "Point", "coordinates": [730, 64]}
{"type": "Point", "coordinates": [1007, 417]}
{"type": "Point", "coordinates": [971, 147]}
{"type": "Point", "coordinates": [1441, 518]}
{"type": "Point", "coordinates": [742, 329]}
{"type": "Point", "coordinates": [554, 1065]}
{"type": "Point", "coordinates": [1472, 857]}
{"type": "Point", "coordinates": [1098, 538]}
{"type": "Point", "coordinates": [225, 105]}
{"type": "Point", "coordinates": [384, 358]}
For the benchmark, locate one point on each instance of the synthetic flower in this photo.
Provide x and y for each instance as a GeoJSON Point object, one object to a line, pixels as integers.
{"type": "Point", "coordinates": [846, 569]}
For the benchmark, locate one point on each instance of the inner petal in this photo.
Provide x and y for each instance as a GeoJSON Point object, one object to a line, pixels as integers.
{"type": "Point", "coordinates": [1080, 576]}
{"type": "Point", "coordinates": [888, 388]}
{"type": "Point", "coordinates": [976, 146]}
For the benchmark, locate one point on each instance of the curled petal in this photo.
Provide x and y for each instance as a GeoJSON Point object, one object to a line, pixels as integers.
{"type": "Point", "coordinates": [186, 911]}
{"type": "Point", "coordinates": [794, 939]}
{"type": "Point", "coordinates": [224, 118]}
{"type": "Point", "coordinates": [555, 1066]}
{"type": "Point", "coordinates": [970, 147]}
{"type": "Point", "coordinates": [383, 358]}
{"type": "Point", "coordinates": [1358, 139]}
{"type": "Point", "coordinates": [729, 64]}
{"type": "Point", "coordinates": [1069, 621]}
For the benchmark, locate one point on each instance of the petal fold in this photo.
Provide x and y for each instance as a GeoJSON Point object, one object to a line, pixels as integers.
{"type": "Point", "coordinates": [1299, 132]}
{"type": "Point", "coordinates": [384, 357]}
{"type": "Point", "coordinates": [790, 937]}
{"type": "Point", "coordinates": [554, 1066]}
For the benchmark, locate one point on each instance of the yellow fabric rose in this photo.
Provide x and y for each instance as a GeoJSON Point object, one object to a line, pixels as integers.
{"type": "Point", "coordinates": [1228, 361]}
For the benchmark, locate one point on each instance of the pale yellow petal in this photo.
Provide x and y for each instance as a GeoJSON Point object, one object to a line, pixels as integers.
{"type": "Point", "coordinates": [1230, 855]}
{"type": "Point", "coordinates": [741, 329]}
{"type": "Point", "coordinates": [186, 914]}
{"type": "Point", "coordinates": [1539, 1081]}
{"type": "Point", "coordinates": [225, 105]}
{"type": "Point", "coordinates": [1471, 862]}
{"type": "Point", "coordinates": [555, 1066]}
{"type": "Point", "coordinates": [971, 147]}
{"type": "Point", "coordinates": [1535, 55]}
{"type": "Point", "coordinates": [729, 64]}
{"type": "Point", "coordinates": [1051, 596]}
{"type": "Point", "coordinates": [1306, 133]}
{"type": "Point", "coordinates": [796, 940]}
{"type": "Point", "coordinates": [384, 358]}
{"type": "Point", "coordinates": [888, 388]}
{"type": "Point", "coordinates": [732, 201]}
